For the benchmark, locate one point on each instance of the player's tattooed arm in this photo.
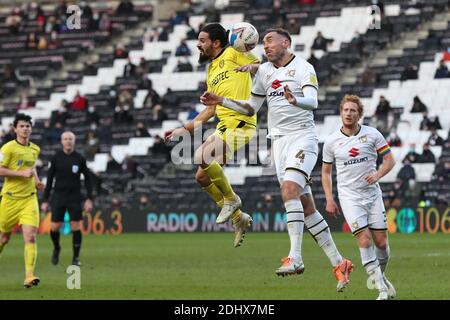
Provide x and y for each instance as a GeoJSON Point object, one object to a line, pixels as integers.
{"type": "Point", "coordinates": [252, 68]}
{"type": "Point", "coordinates": [249, 107]}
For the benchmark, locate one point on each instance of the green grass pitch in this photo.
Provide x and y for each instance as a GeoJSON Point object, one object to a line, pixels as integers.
{"type": "Point", "coordinates": [206, 266]}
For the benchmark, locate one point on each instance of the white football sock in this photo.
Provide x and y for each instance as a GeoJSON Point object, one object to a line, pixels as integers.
{"type": "Point", "coordinates": [319, 230]}
{"type": "Point", "coordinates": [295, 222]}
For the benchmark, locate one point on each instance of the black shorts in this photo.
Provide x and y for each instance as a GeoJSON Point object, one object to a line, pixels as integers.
{"type": "Point", "coordinates": [73, 206]}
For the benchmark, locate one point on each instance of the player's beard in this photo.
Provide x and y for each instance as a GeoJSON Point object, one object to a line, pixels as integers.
{"type": "Point", "coordinates": [202, 58]}
{"type": "Point", "coordinates": [276, 56]}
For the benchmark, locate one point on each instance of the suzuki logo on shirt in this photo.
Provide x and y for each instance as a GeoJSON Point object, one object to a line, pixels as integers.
{"type": "Point", "coordinates": [276, 84]}
{"type": "Point", "coordinates": [353, 152]}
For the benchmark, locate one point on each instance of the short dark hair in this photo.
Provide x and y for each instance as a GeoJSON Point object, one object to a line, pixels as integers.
{"type": "Point", "coordinates": [216, 32]}
{"type": "Point", "coordinates": [281, 31]}
{"type": "Point", "coordinates": [22, 117]}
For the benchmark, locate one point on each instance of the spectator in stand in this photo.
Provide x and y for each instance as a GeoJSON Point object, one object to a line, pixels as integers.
{"type": "Point", "coordinates": [10, 135]}
{"type": "Point", "coordinates": [443, 171]}
{"type": "Point", "coordinates": [24, 102]}
{"type": "Point", "coordinates": [14, 20]}
{"type": "Point", "coordinates": [160, 148]}
{"type": "Point", "coordinates": [129, 70]}
{"type": "Point", "coordinates": [183, 66]}
{"type": "Point", "coordinates": [176, 18]}
{"type": "Point", "coordinates": [393, 139]}
{"type": "Point", "coordinates": [144, 203]}
{"type": "Point", "coordinates": [411, 72]}
{"type": "Point", "coordinates": [141, 130]}
{"type": "Point", "coordinates": [427, 155]}
{"type": "Point", "coordinates": [130, 165]}
{"type": "Point", "coordinates": [50, 25]}
{"type": "Point", "coordinates": [163, 34]}
{"type": "Point", "coordinates": [61, 114]}
{"type": "Point", "coordinates": [170, 98]}
{"type": "Point", "coordinates": [92, 116]}
{"type": "Point", "coordinates": [32, 41]}
{"type": "Point", "coordinates": [192, 113]}
{"type": "Point", "coordinates": [125, 99]}
{"type": "Point", "coordinates": [320, 42]}
{"type": "Point", "coordinates": [435, 139]}
{"type": "Point", "coordinates": [87, 13]}
{"type": "Point", "coordinates": [446, 55]}
{"type": "Point", "coordinates": [79, 102]}
{"type": "Point", "coordinates": [182, 50]}
{"type": "Point", "coordinates": [442, 71]}
{"type": "Point", "coordinates": [381, 113]}
{"type": "Point", "coordinates": [313, 60]}
{"type": "Point", "coordinates": [158, 114]}
{"type": "Point", "coordinates": [143, 69]}
{"type": "Point", "coordinates": [428, 123]}
{"type": "Point", "coordinates": [105, 23]}
{"type": "Point", "coordinates": [92, 145]}
{"type": "Point", "coordinates": [125, 8]}
{"type": "Point", "coordinates": [191, 34]}
{"type": "Point", "coordinates": [112, 165]}
{"type": "Point", "coordinates": [120, 52]}
{"type": "Point", "coordinates": [52, 135]}
{"type": "Point", "coordinates": [412, 156]}
{"type": "Point", "coordinates": [418, 106]}
{"type": "Point", "coordinates": [122, 114]}
{"type": "Point", "coordinates": [42, 43]}
{"type": "Point", "coordinates": [292, 26]}
{"type": "Point", "coordinates": [407, 175]}
{"type": "Point", "coordinates": [368, 78]}
{"type": "Point", "coordinates": [54, 42]}
{"type": "Point", "coordinates": [61, 10]}
{"type": "Point", "coordinates": [151, 34]}
{"type": "Point", "coordinates": [266, 203]}
{"type": "Point", "coordinates": [396, 194]}
{"type": "Point", "coordinates": [152, 97]}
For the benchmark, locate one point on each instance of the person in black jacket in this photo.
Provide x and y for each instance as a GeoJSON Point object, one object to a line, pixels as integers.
{"type": "Point", "coordinates": [66, 166]}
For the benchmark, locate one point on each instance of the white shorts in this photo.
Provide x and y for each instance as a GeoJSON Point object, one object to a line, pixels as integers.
{"type": "Point", "coordinates": [295, 157]}
{"type": "Point", "coordinates": [364, 213]}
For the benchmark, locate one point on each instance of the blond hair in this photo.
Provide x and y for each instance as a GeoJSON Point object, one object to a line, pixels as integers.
{"type": "Point", "coordinates": [355, 99]}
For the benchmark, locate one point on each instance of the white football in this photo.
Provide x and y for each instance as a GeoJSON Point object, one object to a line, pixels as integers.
{"type": "Point", "coordinates": [243, 36]}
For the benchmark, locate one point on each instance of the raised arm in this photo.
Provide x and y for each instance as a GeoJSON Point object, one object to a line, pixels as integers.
{"type": "Point", "coordinates": [247, 107]}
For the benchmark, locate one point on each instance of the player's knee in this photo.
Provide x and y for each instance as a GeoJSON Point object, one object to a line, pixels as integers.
{"type": "Point", "coordinates": [308, 205]}
{"type": "Point", "coordinates": [75, 225]}
{"type": "Point", "coordinates": [201, 177]}
{"type": "Point", "coordinates": [381, 243]}
{"type": "Point", "coordinates": [290, 190]}
{"type": "Point", "coordinates": [30, 238]}
{"type": "Point", "coordinates": [5, 238]}
{"type": "Point", "coordinates": [364, 239]}
{"type": "Point", "coordinates": [54, 227]}
{"type": "Point", "coordinates": [198, 156]}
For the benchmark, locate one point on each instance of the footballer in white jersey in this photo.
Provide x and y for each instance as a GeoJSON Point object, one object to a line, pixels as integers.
{"type": "Point", "coordinates": [289, 84]}
{"type": "Point", "coordinates": [354, 150]}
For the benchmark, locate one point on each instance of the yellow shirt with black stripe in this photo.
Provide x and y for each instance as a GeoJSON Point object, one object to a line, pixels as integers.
{"type": "Point", "coordinates": [224, 81]}
{"type": "Point", "coordinates": [15, 156]}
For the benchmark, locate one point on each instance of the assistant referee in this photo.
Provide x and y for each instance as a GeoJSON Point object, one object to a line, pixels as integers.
{"type": "Point", "coordinates": [66, 167]}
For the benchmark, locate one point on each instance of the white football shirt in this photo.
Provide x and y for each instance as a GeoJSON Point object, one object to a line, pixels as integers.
{"type": "Point", "coordinates": [283, 117]}
{"type": "Point", "coordinates": [355, 157]}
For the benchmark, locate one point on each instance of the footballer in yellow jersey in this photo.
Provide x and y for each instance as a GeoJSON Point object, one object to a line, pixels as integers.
{"type": "Point", "coordinates": [19, 203]}
{"type": "Point", "coordinates": [234, 129]}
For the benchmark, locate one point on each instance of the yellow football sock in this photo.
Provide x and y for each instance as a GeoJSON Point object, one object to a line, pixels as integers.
{"type": "Point", "coordinates": [215, 194]}
{"type": "Point", "coordinates": [217, 176]}
{"type": "Point", "coordinates": [236, 216]}
{"type": "Point", "coordinates": [30, 258]}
